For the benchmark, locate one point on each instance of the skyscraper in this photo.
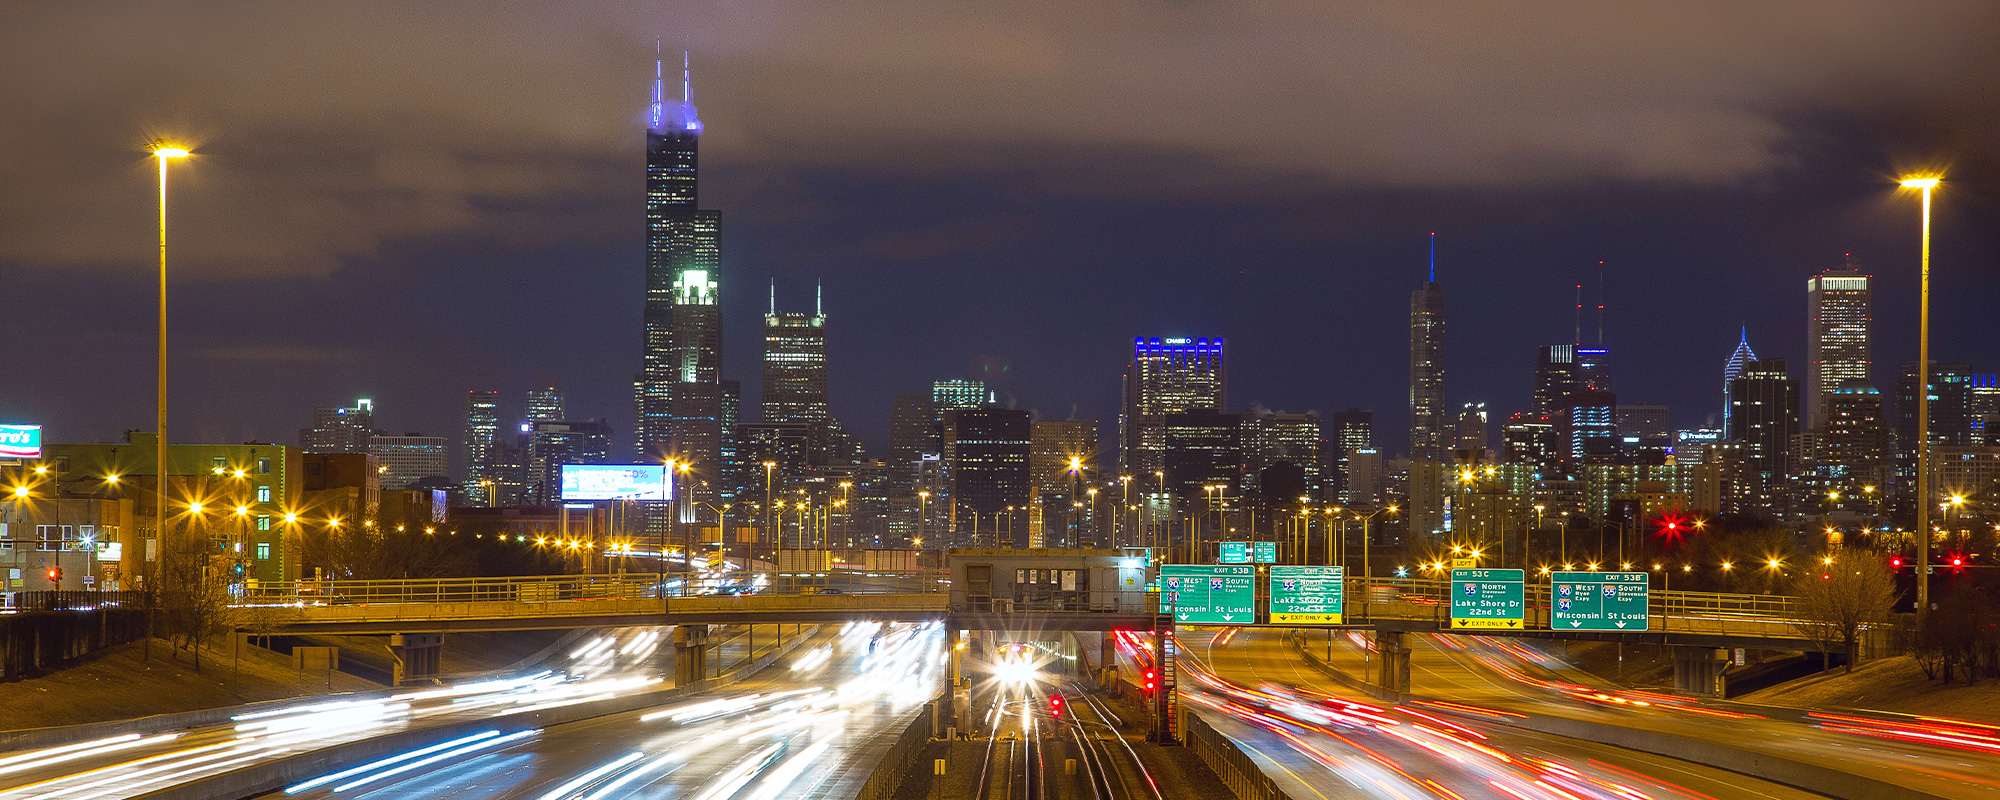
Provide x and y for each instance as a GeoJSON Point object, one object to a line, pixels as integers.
{"type": "Point", "coordinates": [734, 463]}
{"type": "Point", "coordinates": [552, 444]}
{"type": "Point", "coordinates": [1593, 428]}
{"type": "Point", "coordinates": [1167, 376]}
{"type": "Point", "coordinates": [947, 395]}
{"type": "Point", "coordinates": [545, 404]}
{"type": "Point", "coordinates": [1951, 423]}
{"type": "Point", "coordinates": [1430, 425]}
{"type": "Point", "coordinates": [1353, 431]}
{"type": "Point", "coordinates": [913, 433]}
{"type": "Point", "coordinates": [1472, 424]}
{"type": "Point", "coordinates": [1203, 448]}
{"type": "Point", "coordinates": [1837, 348]}
{"type": "Point", "coordinates": [795, 373]}
{"type": "Point", "coordinates": [1052, 444]}
{"type": "Point", "coordinates": [1764, 415]}
{"type": "Point", "coordinates": [1555, 377]}
{"type": "Point", "coordinates": [340, 429]}
{"type": "Point", "coordinates": [1532, 439]}
{"type": "Point", "coordinates": [1733, 370]}
{"type": "Point", "coordinates": [1593, 368]}
{"type": "Point", "coordinates": [408, 458]}
{"type": "Point", "coordinates": [1291, 443]}
{"type": "Point", "coordinates": [1645, 420]}
{"type": "Point", "coordinates": [1854, 441]}
{"type": "Point", "coordinates": [986, 455]}
{"type": "Point", "coordinates": [678, 393]}
{"type": "Point", "coordinates": [482, 431]}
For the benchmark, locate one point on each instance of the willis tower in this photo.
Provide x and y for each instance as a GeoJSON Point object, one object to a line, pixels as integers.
{"type": "Point", "coordinates": [678, 389]}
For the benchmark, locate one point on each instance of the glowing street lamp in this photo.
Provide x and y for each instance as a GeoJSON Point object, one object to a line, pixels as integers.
{"type": "Point", "coordinates": [165, 151]}
{"type": "Point", "coordinates": [1924, 184]}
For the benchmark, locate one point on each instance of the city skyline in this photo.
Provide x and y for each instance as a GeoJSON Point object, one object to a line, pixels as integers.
{"type": "Point", "coordinates": [386, 409]}
{"type": "Point", "coordinates": [1835, 199]}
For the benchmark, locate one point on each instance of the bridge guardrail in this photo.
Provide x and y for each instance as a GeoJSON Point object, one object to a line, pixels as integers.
{"type": "Point", "coordinates": [625, 586]}
{"type": "Point", "coordinates": [1428, 591]}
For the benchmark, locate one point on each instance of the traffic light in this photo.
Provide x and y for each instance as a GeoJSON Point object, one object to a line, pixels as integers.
{"type": "Point", "coordinates": [1896, 563]}
{"type": "Point", "coordinates": [1055, 705]}
{"type": "Point", "coordinates": [238, 569]}
{"type": "Point", "coordinates": [55, 574]}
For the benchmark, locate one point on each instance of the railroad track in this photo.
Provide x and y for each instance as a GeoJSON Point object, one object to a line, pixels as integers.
{"type": "Point", "coordinates": [1012, 768]}
{"type": "Point", "coordinates": [1112, 766]}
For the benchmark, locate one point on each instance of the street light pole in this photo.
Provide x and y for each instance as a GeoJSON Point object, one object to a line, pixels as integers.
{"type": "Point", "coordinates": [1925, 184]}
{"type": "Point", "coordinates": [164, 151]}
{"type": "Point", "coordinates": [1122, 533]}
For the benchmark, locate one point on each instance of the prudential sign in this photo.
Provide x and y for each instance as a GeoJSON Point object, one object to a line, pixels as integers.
{"type": "Point", "coordinates": [20, 441]}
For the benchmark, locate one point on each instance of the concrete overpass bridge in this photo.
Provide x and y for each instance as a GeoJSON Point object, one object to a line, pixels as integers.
{"type": "Point", "coordinates": [1013, 599]}
{"type": "Point", "coordinates": [446, 605]}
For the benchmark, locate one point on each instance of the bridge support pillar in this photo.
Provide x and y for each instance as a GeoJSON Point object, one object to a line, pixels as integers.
{"type": "Point", "coordinates": [1166, 700]}
{"type": "Point", "coordinates": [956, 647]}
{"type": "Point", "coordinates": [1392, 663]}
{"type": "Point", "coordinates": [417, 656]}
{"type": "Point", "coordinates": [690, 654]}
{"type": "Point", "coordinates": [1699, 670]}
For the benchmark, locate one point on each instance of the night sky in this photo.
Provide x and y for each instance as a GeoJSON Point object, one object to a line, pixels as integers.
{"type": "Point", "coordinates": [404, 201]}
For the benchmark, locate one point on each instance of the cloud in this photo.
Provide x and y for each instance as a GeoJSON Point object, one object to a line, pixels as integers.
{"type": "Point", "coordinates": [327, 131]}
{"type": "Point", "coordinates": [272, 354]}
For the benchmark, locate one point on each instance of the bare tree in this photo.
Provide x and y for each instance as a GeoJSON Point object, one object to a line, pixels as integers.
{"type": "Point", "coordinates": [194, 592]}
{"type": "Point", "coordinates": [1850, 590]}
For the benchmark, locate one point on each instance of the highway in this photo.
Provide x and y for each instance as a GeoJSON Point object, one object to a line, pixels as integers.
{"type": "Point", "coordinates": [1503, 676]}
{"type": "Point", "coordinates": [1319, 744]}
{"type": "Point", "coordinates": [595, 667]}
{"type": "Point", "coordinates": [805, 727]}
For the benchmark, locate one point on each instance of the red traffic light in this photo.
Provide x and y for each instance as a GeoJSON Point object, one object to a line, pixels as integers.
{"type": "Point", "coordinates": [1896, 562]}
{"type": "Point", "coordinates": [1055, 705]}
{"type": "Point", "coordinates": [55, 574]}
{"type": "Point", "coordinates": [1958, 562]}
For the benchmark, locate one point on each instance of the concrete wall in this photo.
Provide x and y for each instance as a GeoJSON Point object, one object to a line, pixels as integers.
{"type": "Point", "coordinates": [37, 639]}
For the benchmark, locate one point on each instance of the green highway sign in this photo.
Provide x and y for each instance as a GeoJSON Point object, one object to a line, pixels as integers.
{"type": "Point", "coordinates": [1264, 552]}
{"type": "Point", "coordinates": [1486, 598]}
{"type": "Point", "coordinates": [1233, 553]}
{"type": "Point", "coordinates": [1306, 594]}
{"type": "Point", "coordinates": [1599, 601]}
{"type": "Point", "coordinates": [1210, 595]}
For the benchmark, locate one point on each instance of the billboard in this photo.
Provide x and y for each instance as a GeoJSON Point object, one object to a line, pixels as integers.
{"type": "Point", "coordinates": [586, 482]}
{"type": "Point", "coordinates": [20, 441]}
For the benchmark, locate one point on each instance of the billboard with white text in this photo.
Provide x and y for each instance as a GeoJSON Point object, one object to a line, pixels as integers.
{"type": "Point", "coordinates": [589, 482]}
{"type": "Point", "coordinates": [20, 441]}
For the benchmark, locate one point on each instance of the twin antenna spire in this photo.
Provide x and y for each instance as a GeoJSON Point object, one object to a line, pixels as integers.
{"type": "Point", "coordinates": [659, 80]}
{"type": "Point", "coordinates": [1576, 333]}
{"type": "Point", "coordinates": [819, 298]}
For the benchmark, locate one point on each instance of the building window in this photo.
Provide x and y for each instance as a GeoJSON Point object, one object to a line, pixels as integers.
{"type": "Point", "coordinates": [263, 494]}
{"type": "Point", "coordinates": [263, 466]}
{"type": "Point", "coordinates": [263, 523]}
{"type": "Point", "coordinates": [263, 551]}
